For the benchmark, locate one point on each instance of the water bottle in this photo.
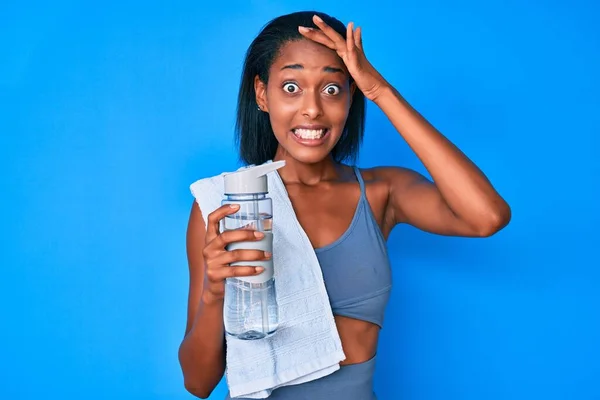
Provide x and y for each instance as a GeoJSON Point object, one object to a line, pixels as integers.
{"type": "Point", "coordinates": [250, 306]}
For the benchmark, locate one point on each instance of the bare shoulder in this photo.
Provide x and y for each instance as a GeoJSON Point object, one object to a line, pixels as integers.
{"type": "Point", "coordinates": [379, 179]}
{"type": "Point", "coordinates": [384, 186]}
{"type": "Point", "coordinates": [394, 178]}
{"type": "Point", "coordinates": [407, 191]}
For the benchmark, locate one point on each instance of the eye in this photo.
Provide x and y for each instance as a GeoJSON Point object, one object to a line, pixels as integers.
{"type": "Point", "coordinates": [332, 90]}
{"type": "Point", "coordinates": [290, 87]}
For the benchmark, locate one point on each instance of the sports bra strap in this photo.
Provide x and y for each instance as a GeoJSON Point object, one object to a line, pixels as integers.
{"type": "Point", "coordinates": [361, 182]}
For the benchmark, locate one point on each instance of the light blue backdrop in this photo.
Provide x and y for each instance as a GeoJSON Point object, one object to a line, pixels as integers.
{"type": "Point", "coordinates": [109, 110]}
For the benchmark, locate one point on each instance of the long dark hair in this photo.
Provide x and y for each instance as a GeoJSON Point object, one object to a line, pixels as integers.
{"type": "Point", "coordinates": [254, 134]}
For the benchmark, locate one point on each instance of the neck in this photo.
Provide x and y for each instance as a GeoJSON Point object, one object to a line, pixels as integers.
{"type": "Point", "coordinates": [309, 174]}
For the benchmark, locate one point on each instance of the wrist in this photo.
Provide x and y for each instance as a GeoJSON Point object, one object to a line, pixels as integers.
{"type": "Point", "coordinates": [383, 93]}
{"type": "Point", "coordinates": [210, 300]}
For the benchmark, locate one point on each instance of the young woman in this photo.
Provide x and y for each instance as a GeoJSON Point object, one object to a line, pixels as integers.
{"type": "Point", "coordinates": [302, 100]}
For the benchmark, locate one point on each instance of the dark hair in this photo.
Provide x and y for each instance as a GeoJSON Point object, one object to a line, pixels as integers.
{"type": "Point", "coordinates": [254, 134]}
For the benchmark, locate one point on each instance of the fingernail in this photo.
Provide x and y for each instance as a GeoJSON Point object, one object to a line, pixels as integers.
{"type": "Point", "coordinates": [318, 18]}
{"type": "Point", "coordinates": [304, 29]}
{"type": "Point", "coordinates": [259, 269]}
{"type": "Point", "coordinates": [267, 254]}
{"type": "Point", "coordinates": [258, 234]}
{"type": "Point", "coordinates": [234, 206]}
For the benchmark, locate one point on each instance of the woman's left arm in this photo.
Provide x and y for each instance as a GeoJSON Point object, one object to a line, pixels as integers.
{"type": "Point", "coordinates": [460, 201]}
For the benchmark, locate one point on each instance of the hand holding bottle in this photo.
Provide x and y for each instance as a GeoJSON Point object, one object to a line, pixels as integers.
{"type": "Point", "coordinates": [217, 258]}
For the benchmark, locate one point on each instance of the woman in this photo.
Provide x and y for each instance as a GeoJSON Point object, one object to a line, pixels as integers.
{"type": "Point", "coordinates": [302, 100]}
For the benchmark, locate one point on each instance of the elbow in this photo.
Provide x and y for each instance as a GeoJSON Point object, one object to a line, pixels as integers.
{"type": "Point", "coordinates": [197, 390]}
{"type": "Point", "coordinates": [193, 385]}
{"type": "Point", "coordinates": [497, 219]}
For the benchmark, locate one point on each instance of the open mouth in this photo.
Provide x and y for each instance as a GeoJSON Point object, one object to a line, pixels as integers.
{"type": "Point", "coordinates": [310, 134]}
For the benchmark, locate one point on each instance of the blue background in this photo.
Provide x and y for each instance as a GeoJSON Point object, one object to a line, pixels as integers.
{"type": "Point", "coordinates": [110, 110]}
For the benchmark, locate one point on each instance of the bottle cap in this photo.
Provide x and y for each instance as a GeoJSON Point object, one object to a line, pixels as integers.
{"type": "Point", "coordinates": [250, 179]}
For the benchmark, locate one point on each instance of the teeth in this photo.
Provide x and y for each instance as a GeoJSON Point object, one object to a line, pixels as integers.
{"type": "Point", "coordinates": [309, 133]}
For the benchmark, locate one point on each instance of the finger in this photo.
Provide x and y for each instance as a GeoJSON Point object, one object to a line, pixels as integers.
{"type": "Point", "coordinates": [317, 36]}
{"type": "Point", "coordinates": [350, 37]}
{"type": "Point", "coordinates": [330, 32]}
{"type": "Point", "coordinates": [220, 274]}
{"type": "Point", "coordinates": [238, 255]}
{"type": "Point", "coordinates": [214, 219]}
{"type": "Point", "coordinates": [235, 235]}
{"type": "Point", "coordinates": [358, 38]}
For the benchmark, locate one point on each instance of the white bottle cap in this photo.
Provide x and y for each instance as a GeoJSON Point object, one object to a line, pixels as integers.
{"type": "Point", "coordinates": [250, 179]}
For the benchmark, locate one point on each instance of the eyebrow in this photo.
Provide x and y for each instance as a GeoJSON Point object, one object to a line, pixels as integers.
{"type": "Point", "coordinates": [325, 69]}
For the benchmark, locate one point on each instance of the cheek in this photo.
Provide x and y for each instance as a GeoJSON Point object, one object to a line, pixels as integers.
{"type": "Point", "coordinates": [337, 113]}
{"type": "Point", "coordinates": [281, 114]}
{"type": "Point", "coordinates": [339, 110]}
{"type": "Point", "coordinates": [280, 103]}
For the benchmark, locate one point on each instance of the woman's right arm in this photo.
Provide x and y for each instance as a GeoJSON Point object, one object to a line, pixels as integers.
{"type": "Point", "coordinates": [202, 351]}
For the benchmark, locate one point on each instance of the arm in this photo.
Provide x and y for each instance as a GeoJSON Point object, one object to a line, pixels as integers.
{"type": "Point", "coordinates": [461, 201]}
{"type": "Point", "coordinates": [202, 352]}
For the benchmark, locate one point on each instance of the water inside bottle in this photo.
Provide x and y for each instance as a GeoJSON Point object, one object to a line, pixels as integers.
{"type": "Point", "coordinates": [249, 221]}
{"type": "Point", "coordinates": [244, 312]}
{"type": "Point", "coordinates": [250, 308]}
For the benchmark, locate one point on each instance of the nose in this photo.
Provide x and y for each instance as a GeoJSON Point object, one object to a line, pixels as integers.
{"type": "Point", "coordinates": [311, 105]}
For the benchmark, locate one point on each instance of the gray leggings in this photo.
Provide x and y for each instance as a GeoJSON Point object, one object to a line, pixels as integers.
{"type": "Point", "coordinates": [350, 382]}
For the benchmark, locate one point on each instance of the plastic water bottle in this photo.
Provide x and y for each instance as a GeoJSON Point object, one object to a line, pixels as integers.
{"type": "Point", "coordinates": [250, 305]}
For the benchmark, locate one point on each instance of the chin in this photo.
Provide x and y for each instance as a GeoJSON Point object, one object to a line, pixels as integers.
{"type": "Point", "coordinates": [309, 157]}
{"type": "Point", "coordinates": [304, 156]}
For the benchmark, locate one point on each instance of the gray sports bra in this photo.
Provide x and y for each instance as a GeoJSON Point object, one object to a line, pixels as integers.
{"type": "Point", "coordinates": [356, 267]}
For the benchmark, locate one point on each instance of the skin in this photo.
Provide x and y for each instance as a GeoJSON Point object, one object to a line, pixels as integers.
{"type": "Point", "coordinates": [309, 84]}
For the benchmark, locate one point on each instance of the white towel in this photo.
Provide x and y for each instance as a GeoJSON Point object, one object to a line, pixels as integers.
{"type": "Point", "coordinates": [306, 345]}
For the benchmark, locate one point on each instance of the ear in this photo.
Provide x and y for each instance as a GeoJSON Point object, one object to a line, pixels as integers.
{"type": "Point", "coordinates": [352, 90]}
{"type": "Point", "coordinates": [260, 88]}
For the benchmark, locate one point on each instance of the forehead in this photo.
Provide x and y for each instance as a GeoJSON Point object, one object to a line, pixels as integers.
{"type": "Point", "coordinates": [307, 53]}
